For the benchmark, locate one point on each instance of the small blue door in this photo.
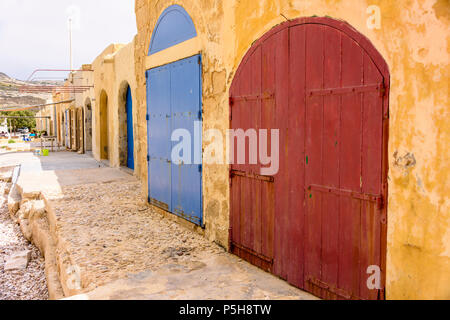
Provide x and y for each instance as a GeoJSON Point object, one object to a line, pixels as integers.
{"type": "Point", "coordinates": [174, 102]}
{"type": "Point", "coordinates": [130, 137]}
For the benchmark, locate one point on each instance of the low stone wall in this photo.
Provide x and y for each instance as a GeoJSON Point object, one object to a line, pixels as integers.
{"type": "Point", "coordinates": [31, 215]}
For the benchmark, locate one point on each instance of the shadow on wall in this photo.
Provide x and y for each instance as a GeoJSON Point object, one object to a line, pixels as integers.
{"type": "Point", "coordinates": [123, 123]}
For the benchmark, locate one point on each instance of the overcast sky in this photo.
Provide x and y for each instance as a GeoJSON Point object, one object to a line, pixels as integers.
{"type": "Point", "coordinates": [34, 33]}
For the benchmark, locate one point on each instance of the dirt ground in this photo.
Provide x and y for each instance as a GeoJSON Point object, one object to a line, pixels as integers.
{"type": "Point", "coordinates": [29, 284]}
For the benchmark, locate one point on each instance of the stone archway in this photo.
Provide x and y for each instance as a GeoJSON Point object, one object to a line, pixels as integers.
{"type": "Point", "coordinates": [88, 124]}
{"type": "Point", "coordinates": [126, 126]}
{"type": "Point", "coordinates": [104, 136]}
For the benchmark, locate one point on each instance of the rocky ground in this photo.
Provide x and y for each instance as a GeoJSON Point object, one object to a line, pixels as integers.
{"type": "Point", "coordinates": [111, 233]}
{"type": "Point", "coordinates": [29, 284]}
{"type": "Point", "coordinates": [103, 241]}
{"type": "Point", "coordinates": [117, 247]}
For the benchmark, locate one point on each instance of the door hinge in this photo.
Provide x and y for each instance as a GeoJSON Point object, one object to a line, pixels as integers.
{"type": "Point", "coordinates": [200, 115]}
{"type": "Point", "coordinates": [200, 168]}
{"type": "Point", "coordinates": [147, 117]}
{"type": "Point", "coordinates": [382, 294]}
{"type": "Point", "coordinates": [231, 102]}
{"type": "Point", "coordinates": [148, 158]}
{"type": "Point", "coordinates": [199, 60]}
{"type": "Point", "coordinates": [382, 90]}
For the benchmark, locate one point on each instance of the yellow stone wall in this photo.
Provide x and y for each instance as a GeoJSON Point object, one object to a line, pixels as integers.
{"type": "Point", "coordinates": [104, 80]}
{"type": "Point", "coordinates": [46, 124]}
{"type": "Point", "coordinates": [113, 73]}
{"type": "Point", "coordinates": [57, 98]}
{"type": "Point", "coordinates": [60, 110]}
{"type": "Point", "coordinates": [125, 76]}
{"type": "Point", "coordinates": [84, 78]}
{"type": "Point", "coordinates": [413, 39]}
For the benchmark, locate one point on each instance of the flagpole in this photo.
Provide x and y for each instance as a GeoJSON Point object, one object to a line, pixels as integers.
{"type": "Point", "coordinates": [70, 44]}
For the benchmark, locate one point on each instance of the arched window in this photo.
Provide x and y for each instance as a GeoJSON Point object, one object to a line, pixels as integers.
{"type": "Point", "coordinates": [174, 26]}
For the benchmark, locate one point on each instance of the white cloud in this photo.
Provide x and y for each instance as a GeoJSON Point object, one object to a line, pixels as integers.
{"type": "Point", "coordinates": [34, 33]}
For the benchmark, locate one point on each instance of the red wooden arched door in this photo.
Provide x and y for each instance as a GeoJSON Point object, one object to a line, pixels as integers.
{"type": "Point", "coordinates": [320, 221]}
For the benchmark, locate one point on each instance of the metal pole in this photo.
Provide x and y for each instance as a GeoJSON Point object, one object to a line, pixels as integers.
{"type": "Point", "coordinates": [70, 44]}
{"type": "Point", "coordinates": [21, 108]}
{"type": "Point", "coordinates": [22, 117]}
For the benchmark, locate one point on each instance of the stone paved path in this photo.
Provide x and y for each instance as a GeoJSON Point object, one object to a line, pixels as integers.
{"type": "Point", "coordinates": [124, 249]}
{"type": "Point", "coordinates": [110, 244]}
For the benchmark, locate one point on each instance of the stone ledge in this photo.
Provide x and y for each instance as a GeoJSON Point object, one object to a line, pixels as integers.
{"type": "Point", "coordinates": [31, 216]}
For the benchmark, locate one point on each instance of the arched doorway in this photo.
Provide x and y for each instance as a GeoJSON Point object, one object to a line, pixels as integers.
{"type": "Point", "coordinates": [67, 128]}
{"type": "Point", "coordinates": [88, 125]}
{"type": "Point", "coordinates": [130, 133]}
{"type": "Point", "coordinates": [174, 103]}
{"type": "Point", "coordinates": [73, 129]}
{"type": "Point", "coordinates": [320, 221]}
{"type": "Point", "coordinates": [58, 129]}
{"type": "Point", "coordinates": [104, 143]}
{"type": "Point", "coordinates": [126, 132]}
{"type": "Point", "coordinates": [80, 130]}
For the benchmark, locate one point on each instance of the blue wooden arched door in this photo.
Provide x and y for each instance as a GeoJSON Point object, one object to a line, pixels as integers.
{"type": "Point", "coordinates": [130, 134]}
{"type": "Point", "coordinates": [173, 103]}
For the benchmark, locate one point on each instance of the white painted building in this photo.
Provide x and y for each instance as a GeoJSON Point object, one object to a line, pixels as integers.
{"type": "Point", "coordinates": [4, 126]}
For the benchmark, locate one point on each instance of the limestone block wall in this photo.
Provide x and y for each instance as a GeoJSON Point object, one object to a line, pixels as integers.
{"type": "Point", "coordinates": [104, 84]}
{"type": "Point", "coordinates": [412, 37]}
{"type": "Point", "coordinates": [124, 78]}
{"type": "Point", "coordinates": [83, 99]}
{"type": "Point", "coordinates": [113, 72]}
{"type": "Point", "coordinates": [43, 124]}
{"type": "Point", "coordinates": [56, 98]}
{"type": "Point", "coordinates": [60, 110]}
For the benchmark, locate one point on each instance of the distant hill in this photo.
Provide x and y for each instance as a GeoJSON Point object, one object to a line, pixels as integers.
{"type": "Point", "coordinates": [3, 76]}
{"type": "Point", "coordinates": [10, 95]}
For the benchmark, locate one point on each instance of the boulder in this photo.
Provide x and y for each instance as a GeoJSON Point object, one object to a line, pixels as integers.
{"type": "Point", "coordinates": [18, 261]}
